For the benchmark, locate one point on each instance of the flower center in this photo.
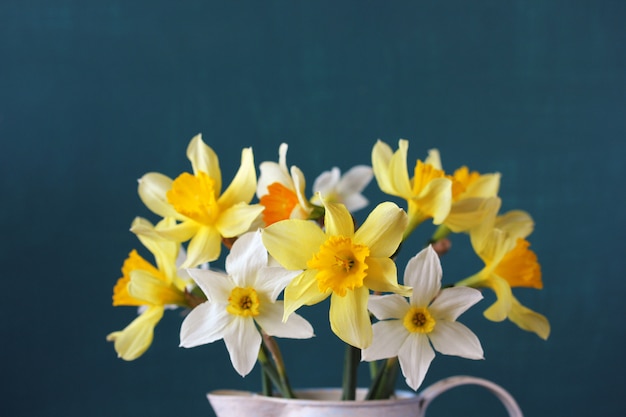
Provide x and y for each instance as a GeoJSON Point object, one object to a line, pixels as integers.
{"type": "Point", "coordinates": [423, 174]}
{"type": "Point", "coordinates": [520, 267]}
{"type": "Point", "coordinates": [278, 202]}
{"type": "Point", "coordinates": [419, 320]}
{"type": "Point", "coordinates": [243, 302]}
{"type": "Point", "coordinates": [461, 179]}
{"type": "Point", "coordinates": [340, 265]}
{"type": "Point", "coordinates": [194, 196]}
{"type": "Point", "coordinates": [121, 296]}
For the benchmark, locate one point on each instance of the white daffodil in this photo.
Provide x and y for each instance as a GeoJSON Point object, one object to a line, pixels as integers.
{"type": "Point", "coordinates": [346, 189]}
{"type": "Point", "coordinates": [407, 329]}
{"type": "Point", "coordinates": [245, 295]}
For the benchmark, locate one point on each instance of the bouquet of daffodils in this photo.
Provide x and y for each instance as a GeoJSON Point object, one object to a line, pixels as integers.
{"type": "Point", "coordinates": [291, 250]}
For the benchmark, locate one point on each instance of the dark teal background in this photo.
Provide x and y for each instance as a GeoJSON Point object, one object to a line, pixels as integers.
{"type": "Point", "coordinates": [95, 94]}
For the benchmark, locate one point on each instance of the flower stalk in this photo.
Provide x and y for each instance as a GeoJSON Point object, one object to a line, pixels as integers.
{"type": "Point", "coordinates": [271, 346]}
{"type": "Point", "coordinates": [351, 363]}
{"type": "Point", "coordinates": [384, 383]}
{"type": "Point", "coordinates": [270, 371]}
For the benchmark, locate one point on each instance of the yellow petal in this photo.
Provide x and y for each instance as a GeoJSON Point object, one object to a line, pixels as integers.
{"type": "Point", "coordinates": [205, 246]}
{"type": "Point", "coordinates": [399, 172]}
{"type": "Point", "coordinates": [303, 290]}
{"type": "Point", "coordinates": [435, 199]}
{"type": "Point", "coordinates": [293, 242]}
{"type": "Point", "coordinates": [180, 232]}
{"type": "Point", "coordinates": [499, 310]}
{"type": "Point", "coordinates": [494, 246]}
{"type": "Point", "coordinates": [466, 214]}
{"type": "Point", "coordinates": [337, 220]}
{"type": "Point", "coordinates": [237, 219]}
{"type": "Point", "coordinates": [164, 250]}
{"type": "Point", "coordinates": [529, 320]}
{"type": "Point", "coordinates": [486, 186]}
{"type": "Point", "coordinates": [136, 338]}
{"type": "Point", "coordinates": [516, 223]}
{"type": "Point", "coordinates": [382, 230]}
{"type": "Point", "coordinates": [349, 318]}
{"type": "Point", "coordinates": [153, 289]}
{"type": "Point", "coordinates": [204, 159]}
{"type": "Point", "coordinates": [382, 276]}
{"type": "Point", "coordinates": [480, 233]}
{"type": "Point", "coordinates": [152, 190]}
{"type": "Point", "coordinates": [381, 158]}
{"type": "Point", "coordinates": [243, 185]}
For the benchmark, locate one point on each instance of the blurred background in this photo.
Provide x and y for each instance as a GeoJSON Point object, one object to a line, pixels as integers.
{"type": "Point", "coordinates": [95, 94]}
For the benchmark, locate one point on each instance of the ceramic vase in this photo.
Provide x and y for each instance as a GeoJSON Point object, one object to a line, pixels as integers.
{"type": "Point", "coordinates": [326, 402]}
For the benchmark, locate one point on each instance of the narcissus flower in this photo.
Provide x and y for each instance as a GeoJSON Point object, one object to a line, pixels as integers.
{"type": "Point", "coordinates": [471, 192]}
{"type": "Point", "coordinates": [205, 214]}
{"type": "Point", "coordinates": [239, 301]}
{"type": "Point", "coordinates": [346, 189]}
{"type": "Point", "coordinates": [501, 243]}
{"type": "Point", "coordinates": [340, 263]}
{"type": "Point", "coordinates": [153, 288]}
{"type": "Point", "coordinates": [428, 192]}
{"type": "Point", "coordinates": [281, 191]}
{"type": "Point", "coordinates": [407, 329]}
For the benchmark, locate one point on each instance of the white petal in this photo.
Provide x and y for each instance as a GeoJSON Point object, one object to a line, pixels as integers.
{"type": "Point", "coordinates": [355, 180]}
{"type": "Point", "coordinates": [452, 302]}
{"type": "Point", "coordinates": [393, 306]}
{"type": "Point", "coordinates": [215, 285]}
{"type": "Point", "coordinates": [204, 324]}
{"type": "Point", "coordinates": [389, 336]}
{"type": "Point", "coordinates": [271, 321]}
{"type": "Point", "coordinates": [327, 181]}
{"type": "Point", "coordinates": [272, 280]}
{"type": "Point", "coordinates": [452, 338]}
{"type": "Point", "coordinates": [415, 357]}
{"type": "Point", "coordinates": [423, 273]}
{"type": "Point", "coordinates": [355, 202]}
{"type": "Point", "coordinates": [271, 172]}
{"type": "Point", "coordinates": [246, 257]}
{"type": "Point", "coordinates": [434, 159]}
{"type": "Point", "coordinates": [243, 342]}
{"type": "Point", "coordinates": [299, 183]}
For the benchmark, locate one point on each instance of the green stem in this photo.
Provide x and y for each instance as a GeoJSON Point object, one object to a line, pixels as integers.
{"type": "Point", "coordinates": [270, 370]}
{"type": "Point", "coordinates": [272, 347]}
{"type": "Point", "coordinates": [414, 221]}
{"type": "Point", "coordinates": [441, 232]}
{"type": "Point", "coordinates": [266, 383]}
{"type": "Point", "coordinates": [384, 384]}
{"type": "Point", "coordinates": [351, 363]}
{"type": "Point", "coordinates": [374, 369]}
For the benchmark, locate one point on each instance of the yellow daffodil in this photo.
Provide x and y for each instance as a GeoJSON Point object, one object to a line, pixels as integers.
{"type": "Point", "coordinates": [501, 243]}
{"type": "Point", "coordinates": [428, 193]}
{"type": "Point", "coordinates": [346, 189]}
{"type": "Point", "coordinates": [407, 329]}
{"type": "Point", "coordinates": [205, 214]}
{"type": "Point", "coordinates": [471, 192]}
{"type": "Point", "coordinates": [340, 263]}
{"type": "Point", "coordinates": [281, 191]}
{"type": "Point", "coordinates": [152, 288]}
{"type": "Point", "coordinates": [239, 301]}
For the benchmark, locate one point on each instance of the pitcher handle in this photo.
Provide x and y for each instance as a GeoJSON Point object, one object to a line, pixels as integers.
{"type": "Point", "coordinates": [430, 393]}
